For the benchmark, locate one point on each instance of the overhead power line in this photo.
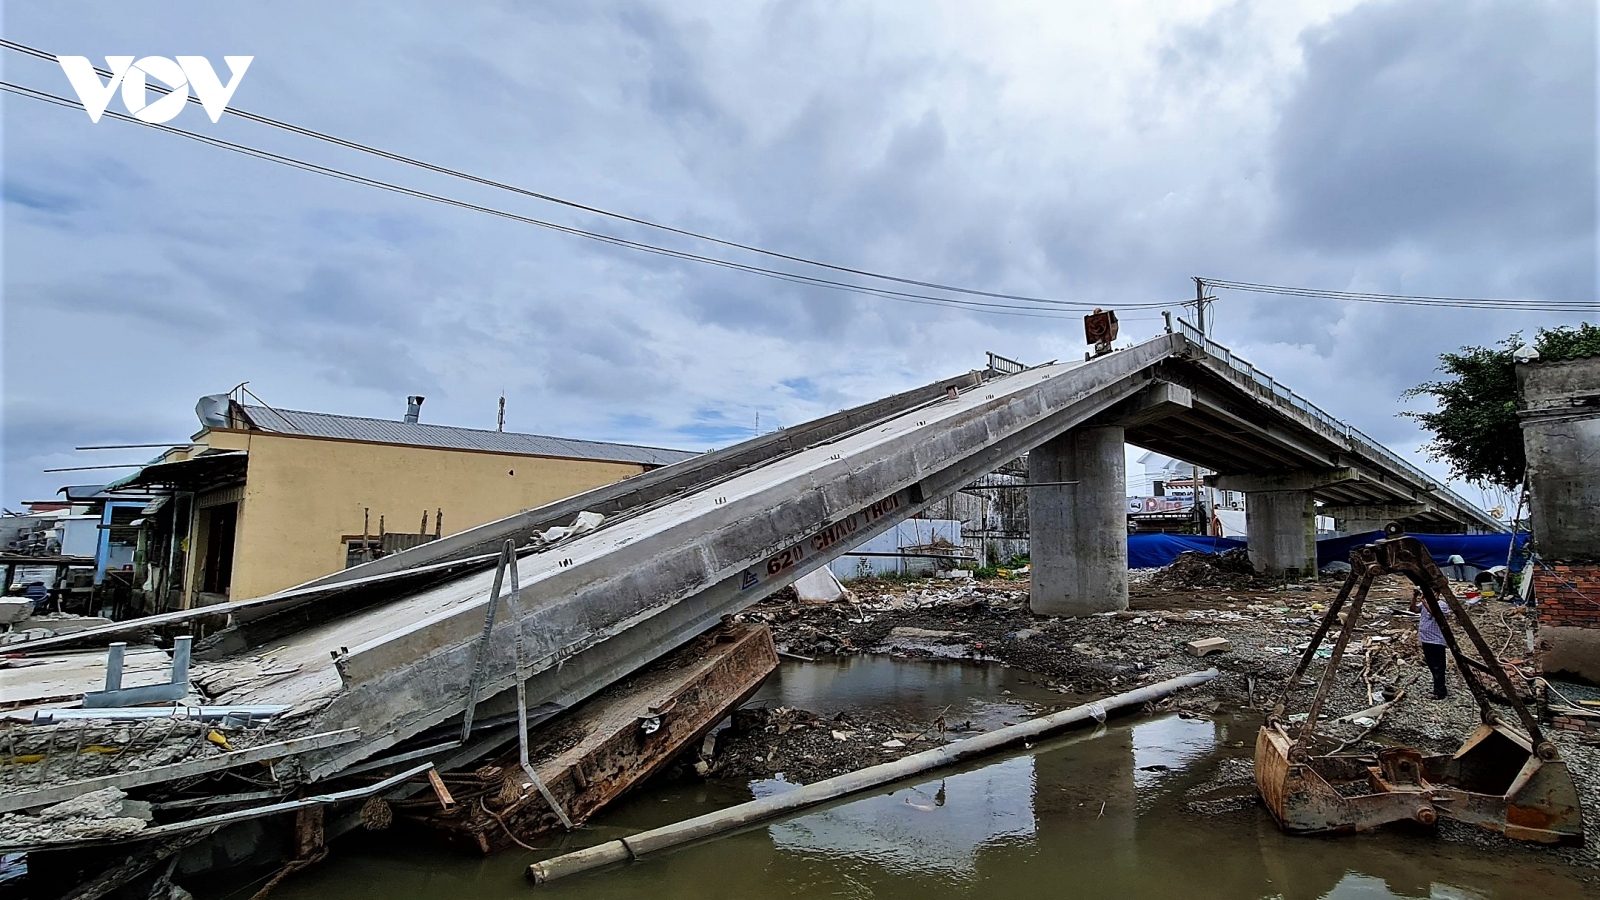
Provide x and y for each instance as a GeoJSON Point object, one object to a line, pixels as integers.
{"type": "Point", "coordinates": [794, 277]}
{"type": "Point", "coordinates": [1527, 305]}
{"type": "Point", "coordinates": [600, 211]}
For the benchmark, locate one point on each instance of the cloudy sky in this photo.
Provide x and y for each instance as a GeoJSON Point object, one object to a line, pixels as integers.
{"type": "Point", "coordinates": [1085, 151]}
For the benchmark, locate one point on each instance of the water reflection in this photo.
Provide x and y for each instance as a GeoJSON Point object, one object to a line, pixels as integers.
{"type": "Point", "coordinates": [917, 690]}
{"type": "Point", "coordinates": [1093, 814]}
{"type": "Point", "coordinates": [1170, 745]}
{"type": "Point", "coordinates": [938, 825]}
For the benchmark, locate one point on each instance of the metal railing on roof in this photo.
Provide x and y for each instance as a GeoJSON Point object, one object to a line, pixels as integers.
{"type": "Point", "coordinates": [998, 363]}
{"type": "Point", "coordinates": [1359, 439]}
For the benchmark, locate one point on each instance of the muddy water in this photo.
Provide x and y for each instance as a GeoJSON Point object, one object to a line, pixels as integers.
{"type": "Point", "coordinates": [1136, 810]}
{"type": "Point", "coordinates": [985, 694]}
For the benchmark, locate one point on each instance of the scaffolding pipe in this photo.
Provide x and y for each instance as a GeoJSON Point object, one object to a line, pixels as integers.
{"type": "Point", "coordinates": [744, 814]}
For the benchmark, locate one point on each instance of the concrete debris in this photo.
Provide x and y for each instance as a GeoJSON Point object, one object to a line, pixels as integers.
{"type": "Point", "coordinates": [13, 611]}
{"type": "Point", "coordinates": [908, 633]}
{"type": "Point", "coordinates": [106, 814]}
{"type": "Point", "coordinates": [27, 628]}
{"type": "Point", "coordinates": [819, 586]}
{"type": "Point", "coordinates": [106, 803]}
{"type": "Point", "coordinates": [1208, 646]}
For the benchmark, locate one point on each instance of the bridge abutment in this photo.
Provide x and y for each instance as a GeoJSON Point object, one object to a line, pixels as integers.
{"type": "Point", "coordinates": [1078, 533]}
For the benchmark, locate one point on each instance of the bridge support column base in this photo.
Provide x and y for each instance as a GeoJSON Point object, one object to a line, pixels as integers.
{"type": "Point", "coordinates": [1078, 533]}
{"type": "Point", "coordinates": [1282, 529]}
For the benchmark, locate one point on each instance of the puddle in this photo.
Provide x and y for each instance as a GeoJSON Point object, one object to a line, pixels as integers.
{"type": "Point", "coordinates": [1089, 814]}
{"type": "Point", "coordinates": [985, 694]}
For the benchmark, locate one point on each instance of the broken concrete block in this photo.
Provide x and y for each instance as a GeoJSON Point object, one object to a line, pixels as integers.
{"type": "Point", "coordinates": [1208, 646]}
{"type": "Point", "coordinates": [12, 611]}
{"type": "Point", "coordinates": [909, 633]}
{"type": "Point", "coordinates": [819, 587]}
{"type": "Point", "coordinates": [106, 803]}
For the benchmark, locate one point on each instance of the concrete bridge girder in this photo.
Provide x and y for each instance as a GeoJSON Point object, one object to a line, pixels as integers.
{"type": "Point", "coordinates": [1363, 518]}
{"type": "Point", "coordinates": [646, 585]}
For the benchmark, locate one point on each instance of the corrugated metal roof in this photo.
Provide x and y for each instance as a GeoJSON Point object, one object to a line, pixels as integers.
{"type": "Point", "coordinates": [389, 431]}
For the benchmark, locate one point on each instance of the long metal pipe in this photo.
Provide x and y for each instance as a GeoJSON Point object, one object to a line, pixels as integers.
{"type": "Point", "coordinates": [744, 814]}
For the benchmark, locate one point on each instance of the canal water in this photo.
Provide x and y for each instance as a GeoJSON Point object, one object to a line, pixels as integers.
{"type": "Point", "coordinates": [1144, 808]}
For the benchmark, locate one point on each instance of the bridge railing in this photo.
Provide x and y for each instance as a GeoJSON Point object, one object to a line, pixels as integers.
{"type": "Point", "coordinates": [1355, 435]}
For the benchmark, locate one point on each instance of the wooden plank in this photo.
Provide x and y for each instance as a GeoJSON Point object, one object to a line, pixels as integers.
{"type": "Point", "coordinates": [440, 791]}
{"type": "Point", "coordinates": [187, 768]}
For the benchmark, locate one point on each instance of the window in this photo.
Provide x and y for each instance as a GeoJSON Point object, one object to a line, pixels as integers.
{"type": "Point", "coordinates": [353, 555]}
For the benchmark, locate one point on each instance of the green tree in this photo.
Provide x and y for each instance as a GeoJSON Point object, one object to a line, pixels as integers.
{"type": "Point", "coordinates": [1475, 426]}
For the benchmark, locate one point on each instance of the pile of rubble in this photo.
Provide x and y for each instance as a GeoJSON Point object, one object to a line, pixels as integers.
{"type": "Point", "coordinates": [1192, 570]}
{"type": "Point", "coordinates": [1263, 630]}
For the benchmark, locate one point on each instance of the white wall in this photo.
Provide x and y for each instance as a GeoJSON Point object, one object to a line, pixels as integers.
{"type": "Point", "coordinates": [80, 535]}
{"type": "Point", "coordinates": [911, 533]}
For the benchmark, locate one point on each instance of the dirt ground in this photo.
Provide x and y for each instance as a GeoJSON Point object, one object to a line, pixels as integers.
{"type": "Point", "coordinates": [1095, 656]}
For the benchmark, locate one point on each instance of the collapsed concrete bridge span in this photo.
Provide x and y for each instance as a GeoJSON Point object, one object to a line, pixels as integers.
{"type": "Point", "coordinates": [388, 648]}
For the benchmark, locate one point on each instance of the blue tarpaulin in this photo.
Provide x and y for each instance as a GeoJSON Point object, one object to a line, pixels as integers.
{"type": "Point", "coordinates": [1152, 551]}
{"type": "Point", "coordinates": [1485, 551]}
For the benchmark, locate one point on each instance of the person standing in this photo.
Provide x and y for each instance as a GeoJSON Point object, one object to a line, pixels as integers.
{"type": "Point", "coordinates": [1432, 640]}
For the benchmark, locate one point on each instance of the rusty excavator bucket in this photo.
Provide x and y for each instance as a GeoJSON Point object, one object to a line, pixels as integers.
{"type": "Point", "coordinates": [1502, 778]}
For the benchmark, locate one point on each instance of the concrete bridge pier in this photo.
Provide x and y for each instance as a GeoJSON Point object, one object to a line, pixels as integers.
{"type": "Point", "coordinates": [1078, 533]}
{"type": "Point", "coordinates": [1281, 527]}
{"type": "Point", "coordinates": [1281, 515]}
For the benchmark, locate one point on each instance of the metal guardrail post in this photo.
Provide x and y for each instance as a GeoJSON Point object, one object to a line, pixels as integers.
{"type": "Point", "coordinates": [114, 655]}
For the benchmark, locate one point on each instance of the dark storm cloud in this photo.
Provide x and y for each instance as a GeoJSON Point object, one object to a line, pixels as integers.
{"type": "Point", "coordinates": [1443, 124]}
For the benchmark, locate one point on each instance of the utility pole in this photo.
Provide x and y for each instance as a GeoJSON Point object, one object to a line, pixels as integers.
{"type": "Point", "coordinates": [499, 424]}
{"type": "Point", "coordinates": [1200, 302]}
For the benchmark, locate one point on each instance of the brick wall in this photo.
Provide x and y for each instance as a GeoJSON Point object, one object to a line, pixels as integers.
{"type": "Point", "coordinates": [1568, 594]}
{"type": "Point", "coordinates": [1579, 724]}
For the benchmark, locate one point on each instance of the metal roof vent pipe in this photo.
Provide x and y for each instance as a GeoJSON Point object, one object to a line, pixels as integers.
{"type": "Point", "coordinates": [413, 408]}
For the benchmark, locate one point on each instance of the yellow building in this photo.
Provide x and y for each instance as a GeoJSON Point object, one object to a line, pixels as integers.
{"type": "Point", "coordinates": [264, 499]}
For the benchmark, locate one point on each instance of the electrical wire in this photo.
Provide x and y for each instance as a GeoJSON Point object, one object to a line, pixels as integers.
{"type": "Point", "coordinates": [487, 182]}
{"type": "Point", "coordinates": [809, 280]}
{"type": "Point", "coordinates": [1529, 305]}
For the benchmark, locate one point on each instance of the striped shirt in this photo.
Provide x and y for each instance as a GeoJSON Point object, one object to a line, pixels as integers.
{"type": "Point", "coordinates": [1427, 629]}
